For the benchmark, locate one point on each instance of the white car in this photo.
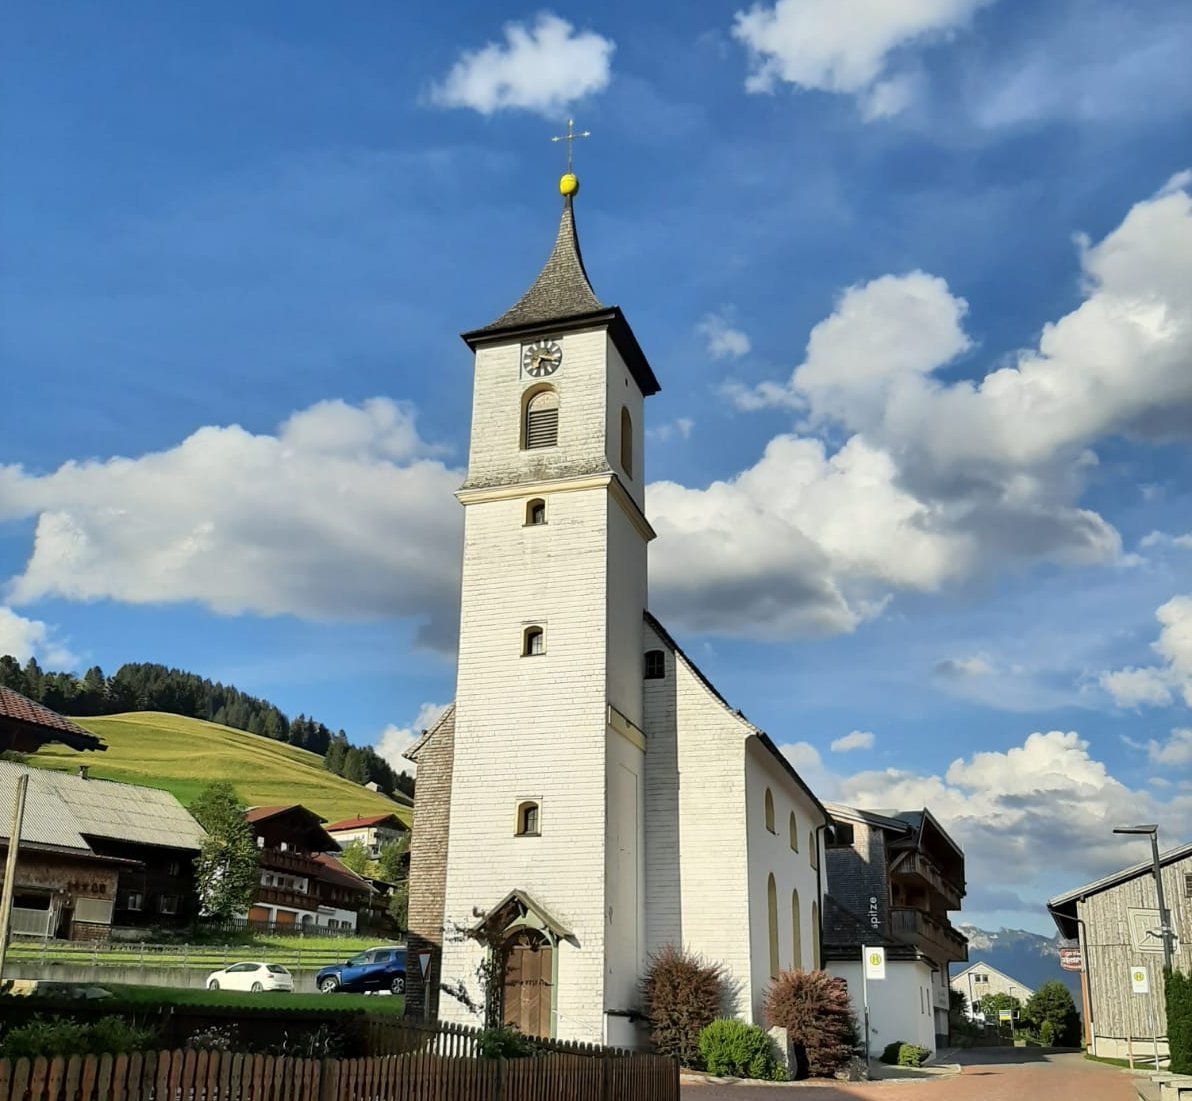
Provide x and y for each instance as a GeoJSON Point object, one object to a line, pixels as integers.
{"type": "Point", "coordinates": [251, 976]}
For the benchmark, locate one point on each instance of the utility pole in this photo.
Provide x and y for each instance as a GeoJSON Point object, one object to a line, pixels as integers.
{"type": "Point", "coordinates": [10, 867]}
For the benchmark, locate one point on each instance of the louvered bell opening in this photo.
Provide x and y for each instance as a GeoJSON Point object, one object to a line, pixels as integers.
{"type": "Point", "coordinates": [542, 420]}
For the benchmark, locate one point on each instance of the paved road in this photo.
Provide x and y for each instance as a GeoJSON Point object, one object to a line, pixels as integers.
{"type": "Point", "coordinates": [1009, 1075]}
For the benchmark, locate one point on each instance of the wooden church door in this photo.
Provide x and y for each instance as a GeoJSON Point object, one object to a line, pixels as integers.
{"type": "Point", "coordinates": [526, 1004]}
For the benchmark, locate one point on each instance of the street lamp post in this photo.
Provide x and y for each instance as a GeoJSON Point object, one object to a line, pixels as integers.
{"type": "Point", "coordinates": [1166, 933]}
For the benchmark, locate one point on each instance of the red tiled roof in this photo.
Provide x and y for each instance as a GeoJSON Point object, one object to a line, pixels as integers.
{"type": "Point", "coordinates": [257, 814]}
{"type": "Point", "coordinates": [359, 822]}
{"type": "Point", "coordinates": [334, 871]}
{"type": "Point", "coordinates": [21, 709]}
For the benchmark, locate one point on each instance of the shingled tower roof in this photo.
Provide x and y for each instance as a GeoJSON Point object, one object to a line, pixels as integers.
{"type": "Point", "coordinates": [562, 289]}
{"type": "Point", "coordinates": [561, 298]}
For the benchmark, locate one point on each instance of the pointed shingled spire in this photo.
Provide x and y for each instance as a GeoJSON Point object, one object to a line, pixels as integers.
{"type": "Point", "coordinates": [562, 289]}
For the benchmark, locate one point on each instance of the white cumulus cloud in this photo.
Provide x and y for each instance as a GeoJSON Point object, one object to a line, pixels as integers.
{"type": "Point", "coordinates": [858, 739]}
{"type": "Point", "coordinates": [1013, 811]}
{"type": "Point", "coordinates": [330, 518]}
{"type": "Point", "coordinates": [542, 68]}
{"type": "Point", "coordinates": [24, 638]}
{"type": "Point", "coordinates": [724, 340]}
{"type": "Point", "coordinates": [936, 480]}
{"type": "Point", "coordinates": [844, 46]}
{"type": "Point", "coordinates": [395, 740]}
{"type": "Point", "coordinates": [1158, 685]}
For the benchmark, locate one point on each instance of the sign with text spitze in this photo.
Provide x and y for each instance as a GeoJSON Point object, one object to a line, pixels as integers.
{"type": "Point", "coordinates": [875, 963]}
{"type": "Point", "coordinates": [1139, 982]}
{"type": "Point", "coordinates": [1070, 959]}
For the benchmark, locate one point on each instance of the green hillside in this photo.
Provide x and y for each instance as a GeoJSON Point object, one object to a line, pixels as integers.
{"type": "Point", "coordinates": [181, 755]}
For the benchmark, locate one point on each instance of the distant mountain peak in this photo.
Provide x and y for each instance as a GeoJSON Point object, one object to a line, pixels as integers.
{"type": "Point", "coordinates": [1031, 958]}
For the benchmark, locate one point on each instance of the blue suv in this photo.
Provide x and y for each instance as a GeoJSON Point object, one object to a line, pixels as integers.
{"type": "Point", "coordinates": [377, 969]}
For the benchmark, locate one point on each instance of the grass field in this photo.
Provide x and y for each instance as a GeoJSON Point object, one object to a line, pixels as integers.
{"type": "Point", "coordinates": [161, 995]}
{"type": "Point", "coordinates": [293, 952]}
{"type": "Point", "coordinates": [181, 755]}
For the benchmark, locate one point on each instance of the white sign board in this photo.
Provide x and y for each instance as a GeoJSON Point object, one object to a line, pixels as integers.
{"type": "Point", "coordinates": [1139, 982]}
{"type": "Point", "coordinates": [875, 963]}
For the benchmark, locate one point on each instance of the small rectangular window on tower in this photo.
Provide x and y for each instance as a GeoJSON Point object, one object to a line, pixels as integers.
{"type": "Point", "coordinates": [655, 665]}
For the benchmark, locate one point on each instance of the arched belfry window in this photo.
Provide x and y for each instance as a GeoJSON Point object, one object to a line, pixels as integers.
{"type": "Point", "coordinates": [535, 512]}
{"type": "Point", "coordinates": [527, 819]}
{"type": "Point", "coordinates": [541, 419]}
{"type": "Point", "coordinates": [769, 810]}
{"type": "Point", "coordinates": [772, 913]}
{"type": "Point", "coordinates": [533, 642]}
{"type": "Point", "coordinates": [626, 442]}
{"type": "Point", "coordinates": [794, 832]}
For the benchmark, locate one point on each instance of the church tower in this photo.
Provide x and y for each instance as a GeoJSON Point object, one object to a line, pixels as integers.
{"type": "Point", "coordinates": [545, 862]}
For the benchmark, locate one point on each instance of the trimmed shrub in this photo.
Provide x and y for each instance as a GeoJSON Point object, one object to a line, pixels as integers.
{"type": "Point", "coordinates": [681, 995]}
{"type": "Point", "coordinates": [504, 1042]}
{"type": "Point", "coordinates": [814, 1009]}
{"type": "Point", "coordinates": [911, 1055]}
{"type": "Point", "coordinates": [1047, 1034]}
{"type": "Point", "coordinates": [890, 1052]}
{"type": "Point", "coordinates": [1178, 998]}
{"type": "Point", "coordinates": [1052, 1004]}
{"type": "Point", "coordinates": [735, 1049]}
{"type": "Point", "coordinates": [50, 1036]}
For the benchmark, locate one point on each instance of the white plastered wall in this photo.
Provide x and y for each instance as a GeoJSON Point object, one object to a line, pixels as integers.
{"type": "Point", "coordinates": [899, 1005]}
{"type": "Point", "coordinates": [532, 728]}
{"type": "Point", "coordinates": [772, 854]}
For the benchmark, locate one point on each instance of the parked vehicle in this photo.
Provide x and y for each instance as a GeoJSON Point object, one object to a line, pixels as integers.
{"type": "Point", "coordinates": [251, 976]}
{"type": "Point", "coordinates": [382, 968]}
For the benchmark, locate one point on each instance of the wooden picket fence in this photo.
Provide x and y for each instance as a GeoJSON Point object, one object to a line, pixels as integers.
{"type": "Point", "coordinates": [415, 1076]}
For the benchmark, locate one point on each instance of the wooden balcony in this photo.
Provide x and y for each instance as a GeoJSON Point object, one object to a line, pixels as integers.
{"type": "Point", "coordinates": [281, 896]}
{"type": "Point", "coordinates": [286, 860]}
{"type": "Point", "coordinates": [918, 867]}
{"type": "Point", "coordinates": [933, 936]}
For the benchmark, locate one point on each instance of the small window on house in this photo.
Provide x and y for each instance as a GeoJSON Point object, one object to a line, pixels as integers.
{"type": "Point", "coordinates": [134, 900]}
{"type": "Point", "coordinates": [626, 442]}
{"type": "Point", "coordinates": [527, 820]}
{"type": "Point", "coordinates": [655, 665]}
{"type": "Point", "coordinates": [168, 904]}
{"type": "Point", "coordinates": [535, 512]}
{"type": "Point", "coordinates": [174, 867]}
{"type": "Point", "coordinates": [1188, 885]}
{"type": "Point", "coordinates": [769, 810]}
{"type": "Point", "coordinates": [533, 642]}
{"type": "Point", "coordinates": [541, 420]}
{"type": "Point", "coordinates": [772, 911]}
{"type": "Point", "coordinates": [812, 850]}
{"type": "Point", "coordinates": [840, 836]}
{"type": "Point", "coordinates": [794, 834]}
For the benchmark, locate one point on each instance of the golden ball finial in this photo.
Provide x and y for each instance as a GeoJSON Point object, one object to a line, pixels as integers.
{"type": "Point", "coordinates": [568, 184]}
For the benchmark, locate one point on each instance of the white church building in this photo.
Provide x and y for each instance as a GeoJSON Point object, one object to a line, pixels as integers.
{"type": "Point", "coordinates": [589, 797]}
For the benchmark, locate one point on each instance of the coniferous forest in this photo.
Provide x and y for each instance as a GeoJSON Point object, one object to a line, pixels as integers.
{"type": "Point", "coordinates": [145, 686]}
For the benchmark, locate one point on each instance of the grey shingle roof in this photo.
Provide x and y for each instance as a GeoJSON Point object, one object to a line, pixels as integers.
{"type": "Point", "coordinates": [48, 820]}
{"type": "Point", "coordinates": [562, 288]}
{"type": "Point", "coordinates": [74, 809]}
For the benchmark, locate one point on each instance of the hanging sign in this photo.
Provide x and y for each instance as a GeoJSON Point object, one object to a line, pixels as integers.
{"type": "Point", "coordinates": [424, 962]}
{"type": "Point", "coordinates": [875, 963]}
{"type": "Point", "coordinates": [1139, 982]}
{"type": "Point", "coordinates": [1071, 959]}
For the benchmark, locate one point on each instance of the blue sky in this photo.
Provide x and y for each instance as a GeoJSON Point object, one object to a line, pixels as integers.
{"type": "Point", "coordinates": [914, 277]}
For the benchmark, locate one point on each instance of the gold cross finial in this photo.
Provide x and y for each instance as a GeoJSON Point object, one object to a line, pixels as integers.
{"type": "Point", "coordinates": [571, 137]}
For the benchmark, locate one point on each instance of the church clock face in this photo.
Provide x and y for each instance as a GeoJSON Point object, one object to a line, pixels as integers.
{"type": "Point", "coordinates": [541, 358]}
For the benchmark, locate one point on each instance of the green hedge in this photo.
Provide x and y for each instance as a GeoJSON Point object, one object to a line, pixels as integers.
{"type": "Point", "coordinates": [1179, 1020]}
